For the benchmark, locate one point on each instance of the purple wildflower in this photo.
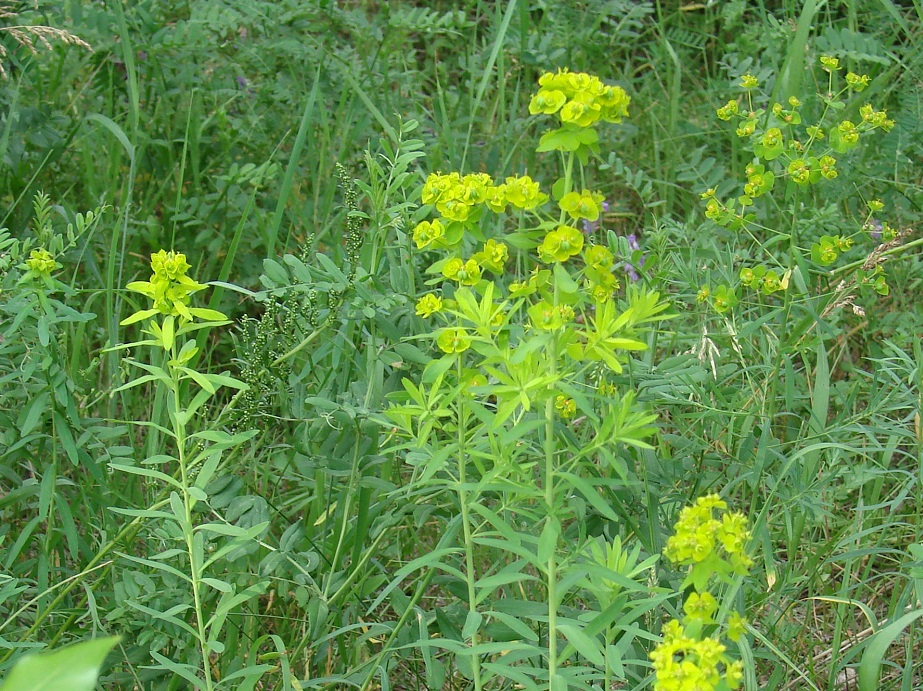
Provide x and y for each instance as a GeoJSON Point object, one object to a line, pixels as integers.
{"type": "Point", "coordinates": [630, 268]}
{"type": "Point", "coordinates": [874, 229]}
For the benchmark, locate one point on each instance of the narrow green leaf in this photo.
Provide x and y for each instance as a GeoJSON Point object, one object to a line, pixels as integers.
{"type": "Point", "coordinates": [147, 472]}
{"type": "Point", "coordinates": [585, 645]}
{"type": "Point", "coordinates": [870, 667]}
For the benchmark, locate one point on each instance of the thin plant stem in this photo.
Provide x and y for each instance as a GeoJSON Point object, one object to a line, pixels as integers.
{"type": "Point", "coordinates": [466, 524]}
{"type": "Point", "coordinates": [179, 429]}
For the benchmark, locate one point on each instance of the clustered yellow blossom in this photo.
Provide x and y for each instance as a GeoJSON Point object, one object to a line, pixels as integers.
{"type": "Point", "coordinates": [169, 287]}
{"type": "Point", "coordinates": [560, 244]}
{"type": "Point", "coordinates": [601, 282]}
{"type": "Point", "coordinates": [466, 273]}
{"type": "Point", "coordinates": [566, 406]}
{"type": "Point", "coordinates": [41, 263]}
{"type": "Point", "coordinates": [453, 341]}
{"type": "Point", "coordinates": [428, 305]}
{"type": "Point", "coordinates": [684, 663]}
{"type": "Point", "coordinates": [706, 530]}
{"type": "Point", "coordinates": [493, 256]}
{"type": "Point", "coordinates": [458, 197]}
{"type": "Point", "coordinates": [427, 233]}
{"type": "Point", "coordinates": [547, 317]}
{"type": "Point", "coordinates": [579, 99]}
{"type": "Point", "coordinates": [585, 204]}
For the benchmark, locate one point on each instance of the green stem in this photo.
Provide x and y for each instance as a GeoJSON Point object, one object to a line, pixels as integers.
{"type": "Point", "coordinates": [179, 429]}
{"type": "Point", "coordinates": [552, 566]}
{"type": "Point", "coordinates": [549, 449]}
{"type": "Point", "coordinates": [466, 524]}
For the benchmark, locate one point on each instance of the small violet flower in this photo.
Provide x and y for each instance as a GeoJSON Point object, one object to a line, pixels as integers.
{"type": "Point", "coordinates": [874, 228]}
{"type": "Point", "coordinates": [630, 269]}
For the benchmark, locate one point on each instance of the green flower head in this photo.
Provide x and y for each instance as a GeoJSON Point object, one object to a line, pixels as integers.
{"type": "Point", "coordinates": [583, 204]}
{"type": "Point", "coordinates": [466, 273]}
{"type": "Point", "coordinates": [453, 341]}
{"type": "Point", "coordinates": [170, 288]}
{"type": "Point", "coordinates": [561, 244]}
{"type": "Point", "coordinates": [524, 192]}
{"type": "Point", "coordinates": [493, 256]}
{"type": "Point", "coordinates": [428, 305]}
{"type": "Point", "coordinates": [428, 232]}
{"type": "Point", "coordinates": [579, 99]}
{"type": "Point", "coordinates": [41, 263]}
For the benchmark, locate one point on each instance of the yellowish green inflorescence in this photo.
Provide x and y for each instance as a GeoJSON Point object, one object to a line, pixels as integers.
{"type": "Point", "coordinates": [170, 289]}
{"type": "Point", "coordinates": [711, 542]}
{"type": "Point", "coordinates": [802, 155]}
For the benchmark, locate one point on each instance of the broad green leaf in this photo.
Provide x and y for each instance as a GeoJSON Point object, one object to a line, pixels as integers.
{"type": "Point", "coordinates": [472, 624]}
{"type": "Point", "coordinates": [218, 585]}
{"type": "Point", "coordinates": [187, 672]}
{"type": "Point", "coordinates": [157, 564]}
{"type": "Point", "coordinates": [74, 668]}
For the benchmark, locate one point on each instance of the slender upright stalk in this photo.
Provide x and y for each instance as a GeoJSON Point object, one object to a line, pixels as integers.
{"type": "Point", "coordinates": [195, 575]}
{"type": "Point", "coordinates": [551, 567]}
{"type": "Point", "coordinates": [462, 424]}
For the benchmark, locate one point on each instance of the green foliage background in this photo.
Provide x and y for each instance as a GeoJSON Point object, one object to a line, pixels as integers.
{"type": "Point", "coordinates": [219, 128]}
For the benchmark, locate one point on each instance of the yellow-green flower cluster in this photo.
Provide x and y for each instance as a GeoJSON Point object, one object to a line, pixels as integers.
{"type": "Point", "coordinates": [566, 406]}
{"type": "Point", "coordinates": [493, 256]}
{"type": "Point", "coordinates": [685, 663]}
{"type": "Point", "coordinates": [41, 263]}
{"type": "Point", "coordinates": [453, 341]}
{"type": "Point", "coordinates": [427, 233]}
{"type": "Point", "coordinates": [466, 273]}
{"type": "Point", "coordinates": [560, 244]}
{"type": "Point", "coordinates": [706, 530]}
{"type": "Point", "coordinates": [585, 204]}
{"type": "Point", "coordinates": [601, 282]}
{"type": "Point", "coordinates": [169, 287]}
{"type": "Point", "coordinates": [428, 305]}
{"type": "Point", "coordinates": [457, 198]}
{"type": "Point", "coordinates": [761, 278]}
{"type": "Point", "coordinates": [876, 118]}
{"type": "Point", "coordinates": [829, 248]}
{"type": "Point", "coordinates": [547, 317]}
{"type": "Point", "coordinates": [522, 192]}
{"type": "Point", "coordinates": [579, 99]}
{"type": "Point", "coordinates": [537, 279]}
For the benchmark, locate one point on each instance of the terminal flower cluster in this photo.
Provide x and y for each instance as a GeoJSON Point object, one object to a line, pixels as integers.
{"type": "Point", "coordinates": [691, 657]}
{"type": "Point", "coordinates": [800, 154]}
{"type": "Point", "coordinates": [171, 290]}
{"type": "Point", "coordinates": [41, 263]}
{"type": "Point", "coordinates": [707, 528]}
{"type": "Point", "coordinates": [169, 287]}
{"type": "Point", "coordinates": [579, 99]}
{"type": "Point", "coordinates": [688, 663]}
{"type": "Point", "coordinates": [570, 277]}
